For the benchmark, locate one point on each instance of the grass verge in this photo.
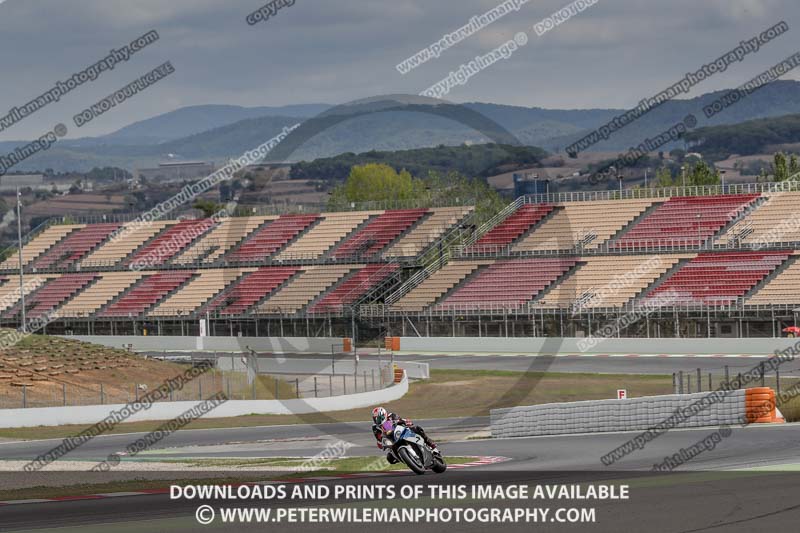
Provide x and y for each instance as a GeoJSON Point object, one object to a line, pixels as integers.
{"type": "Point", "coordinates": [448, 393]}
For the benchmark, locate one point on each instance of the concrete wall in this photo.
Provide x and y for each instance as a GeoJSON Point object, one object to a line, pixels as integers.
{"type": "Point", "coordinates": [321, 366]}
{"type": "Point", "coordinates": [212, 344]}
{"type": "Point", "coordinates": [571, 345]}
{"type": "Point", "coordinates": [56, 416]}
{"type": "Point", "coordinates": [633, 414]}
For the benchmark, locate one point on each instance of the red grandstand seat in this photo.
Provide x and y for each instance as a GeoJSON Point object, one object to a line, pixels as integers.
{"type": "Point", "coordinates": [684, 221]}
{"type": "Point", "coordinates": [378, 233]}
{"type": "Point", "coordinates": [250, 290]}
{"type": "Point", "coordinates": [271, 238]}
{"type": "Point", "coordinates": [717, 277]}
{"type": "Point", "coordinates": [510, 229]}
{"type": "Point", "coordinates": [75, 246]}
{"type": "Point", "coordinates": [149, 291]}
{"type": "Point", "coordinates": [506, 284]}
{"type": "Point", "coordinates": [352, 288]}
{"type": "Point", "coordinates": [170, 242]}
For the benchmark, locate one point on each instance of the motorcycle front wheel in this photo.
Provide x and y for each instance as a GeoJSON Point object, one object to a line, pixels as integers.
{"type": "Point", "coordinates": [411, 461]}
{"type": "Point", "coordinates": [439, 464]}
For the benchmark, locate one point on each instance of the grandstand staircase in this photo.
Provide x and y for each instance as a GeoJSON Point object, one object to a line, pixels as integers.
{"type": "Point", "coordinates": [560, 279]}
{"type": "Point", "coordinates": [240, 242]}
{"type": "Point", "coordinates": [771, 276]}
{"type": "Point", "coordinates": [100, 310]}
{"type": "Point", "coordinates": [201, 308]}
{"type": "Point", "coordinates": [335, 246]}
{"type": "Point", "coordinates": [747, 229]}
{"type": "Point", "coordinates": [661, 279]}
{"type": "Point", "coordinates": [126, 260]}
{"type": "Point", "coordinates": [254, 308]}
{"type": "Point", "coordinates": [633, 222]}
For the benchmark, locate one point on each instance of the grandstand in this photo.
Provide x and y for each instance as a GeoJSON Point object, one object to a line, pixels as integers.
{"type": "Point", "coordinates": [550, 261]}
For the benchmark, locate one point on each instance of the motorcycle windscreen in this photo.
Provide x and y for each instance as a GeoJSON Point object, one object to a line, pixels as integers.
{"type": "Point", "coordinates": [387, 426]}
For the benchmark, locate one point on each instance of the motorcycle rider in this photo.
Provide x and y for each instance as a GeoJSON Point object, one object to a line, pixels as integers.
{"type": "Point", "coordinates": [380, 415]}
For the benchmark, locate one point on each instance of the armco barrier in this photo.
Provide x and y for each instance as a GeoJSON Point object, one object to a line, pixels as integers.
{"type": "Point", "coordinates": [91, 414]}
{"type": "Point", "coordinates": [633, 414]}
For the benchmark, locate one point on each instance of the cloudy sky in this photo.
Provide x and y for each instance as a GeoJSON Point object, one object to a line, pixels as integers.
{"type": "Point", "coordinates": [334, 51]}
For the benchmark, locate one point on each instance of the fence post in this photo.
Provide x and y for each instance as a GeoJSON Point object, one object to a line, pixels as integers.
{"type": "Point", "coordinates": [136, 391]}
{"type": "Point", "coordinates": [200, 389]}
{"type": "Point", "coordinates": [699, 381]}
{"type": "Point", "coordinates": [778, 380]}
{"type": "Point", "coordinates": [276, 389]}
{"type": "Point", "coordinates": [344, 383]}
{"type": "Point", "coordinates": [24, 396]}
{"type": "Point", "coordinates": [727, 376]}
{"type": "Point", "coordinates": [373, 379]}
{"type": "Point", "coordinates": [739, 380]}
{"type": "Point", "coordinates": [297, 386]}
{"type": "Point", "coordinates": [365, 381]}
{"type": "Point", "coordinates": [680, 382]}
{"type": "Point", "coordinates": [315, 387]}
{"type": "Point", "coordinates": [761, 371]}
{"type": "Point", "coordinates": [688, 383]}
{"type": "Point", "coordinates": [674, 384]}
{"type": "Point", "coordinates": [64, 394]}
{"type": "Point", "coordinates": [710, 385]}
{"type": "Point", "coordinates": [330, 384]}
{"type": "Point", "coordinates": [227, 387]}
{"type": "Point", "coordinates": [102, 394]}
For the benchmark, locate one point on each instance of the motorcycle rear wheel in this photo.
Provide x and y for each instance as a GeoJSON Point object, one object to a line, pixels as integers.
{"type": "Point", "coordinates": [411, 461]}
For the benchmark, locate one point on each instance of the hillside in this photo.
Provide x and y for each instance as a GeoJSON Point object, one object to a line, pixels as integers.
{"type": "Point", "coordinates": [482, 160]}
{"type": "Point", "coordinates": [387, 124]}
{"type": "Point", "coordinates": [746, 138]}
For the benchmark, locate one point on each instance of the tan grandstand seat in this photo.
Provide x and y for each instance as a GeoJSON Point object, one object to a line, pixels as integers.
{"type": "Point", "coordinates": [441, 281]}
{"type": "Point", "coordinates": [118, 248]}
{"type": "Point", "coordinates": [100, 293]}
{"type": "Point", "coordinates": [783, 289]}
{"type": "Point", "coordinates": [221, 239]}
{"type": "Point", "coordinates": [304, 288]}
{"type": "Point", "coordinates": [773, 221]}
{"type": "Point", "coordinates": [427, 231]}
{"type": "Point", "coordinates": [613, 280]}
{"type": "Point", "coordinates": [197, 292]}
{"type": "Point", "coordinates": [40, 244]}
{"type": "Point", "coordinates": [573, 221]}
{"type": "Point", "coordinates": [325, 235]}
{"type": "Point", "coordinates": [9, 291]}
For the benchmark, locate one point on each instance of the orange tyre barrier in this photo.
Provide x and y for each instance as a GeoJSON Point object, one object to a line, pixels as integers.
{"type": "Point", "coordinates": [759, 406]}
{"type": "Point", "coordinates": [392, 343]}
{"type": "Point", "coordinates": [347, 345]}
{"type": "Point", "coordinates": [398, 374]}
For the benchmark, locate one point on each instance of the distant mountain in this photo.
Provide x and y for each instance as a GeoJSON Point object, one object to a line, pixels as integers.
{"type": "Point", "coordinates": [190, 120]}
{"type": "Point", "coordinates": [745, 138]}
{"type": "Point", "coordinates": [385, 124]}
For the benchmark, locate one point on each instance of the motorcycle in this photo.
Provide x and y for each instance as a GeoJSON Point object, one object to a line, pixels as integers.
{"type": "Point", "coordinates": [409, 448]}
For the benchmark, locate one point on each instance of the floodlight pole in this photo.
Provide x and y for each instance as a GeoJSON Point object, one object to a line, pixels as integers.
{"type": "Point", "coordinates": [19, 240]}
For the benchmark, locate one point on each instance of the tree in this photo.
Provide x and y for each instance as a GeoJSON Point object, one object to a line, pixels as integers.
{"type": "Point", "coordinates": [664, 178]}
{"type": "Point", "coordinates": [794, 167]}
{"type": "Point", "coordinates": [703, 174]}
{"type": "Point", "coordinates": [208, 207]}
{"type": "Point", "coordinates": [780, 167]}
{"type": "Point", "coordinates": [375, 182]}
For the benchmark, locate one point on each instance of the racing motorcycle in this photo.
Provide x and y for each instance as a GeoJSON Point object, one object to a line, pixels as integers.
{"type": "Point", "coordinates": [408, 447]}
